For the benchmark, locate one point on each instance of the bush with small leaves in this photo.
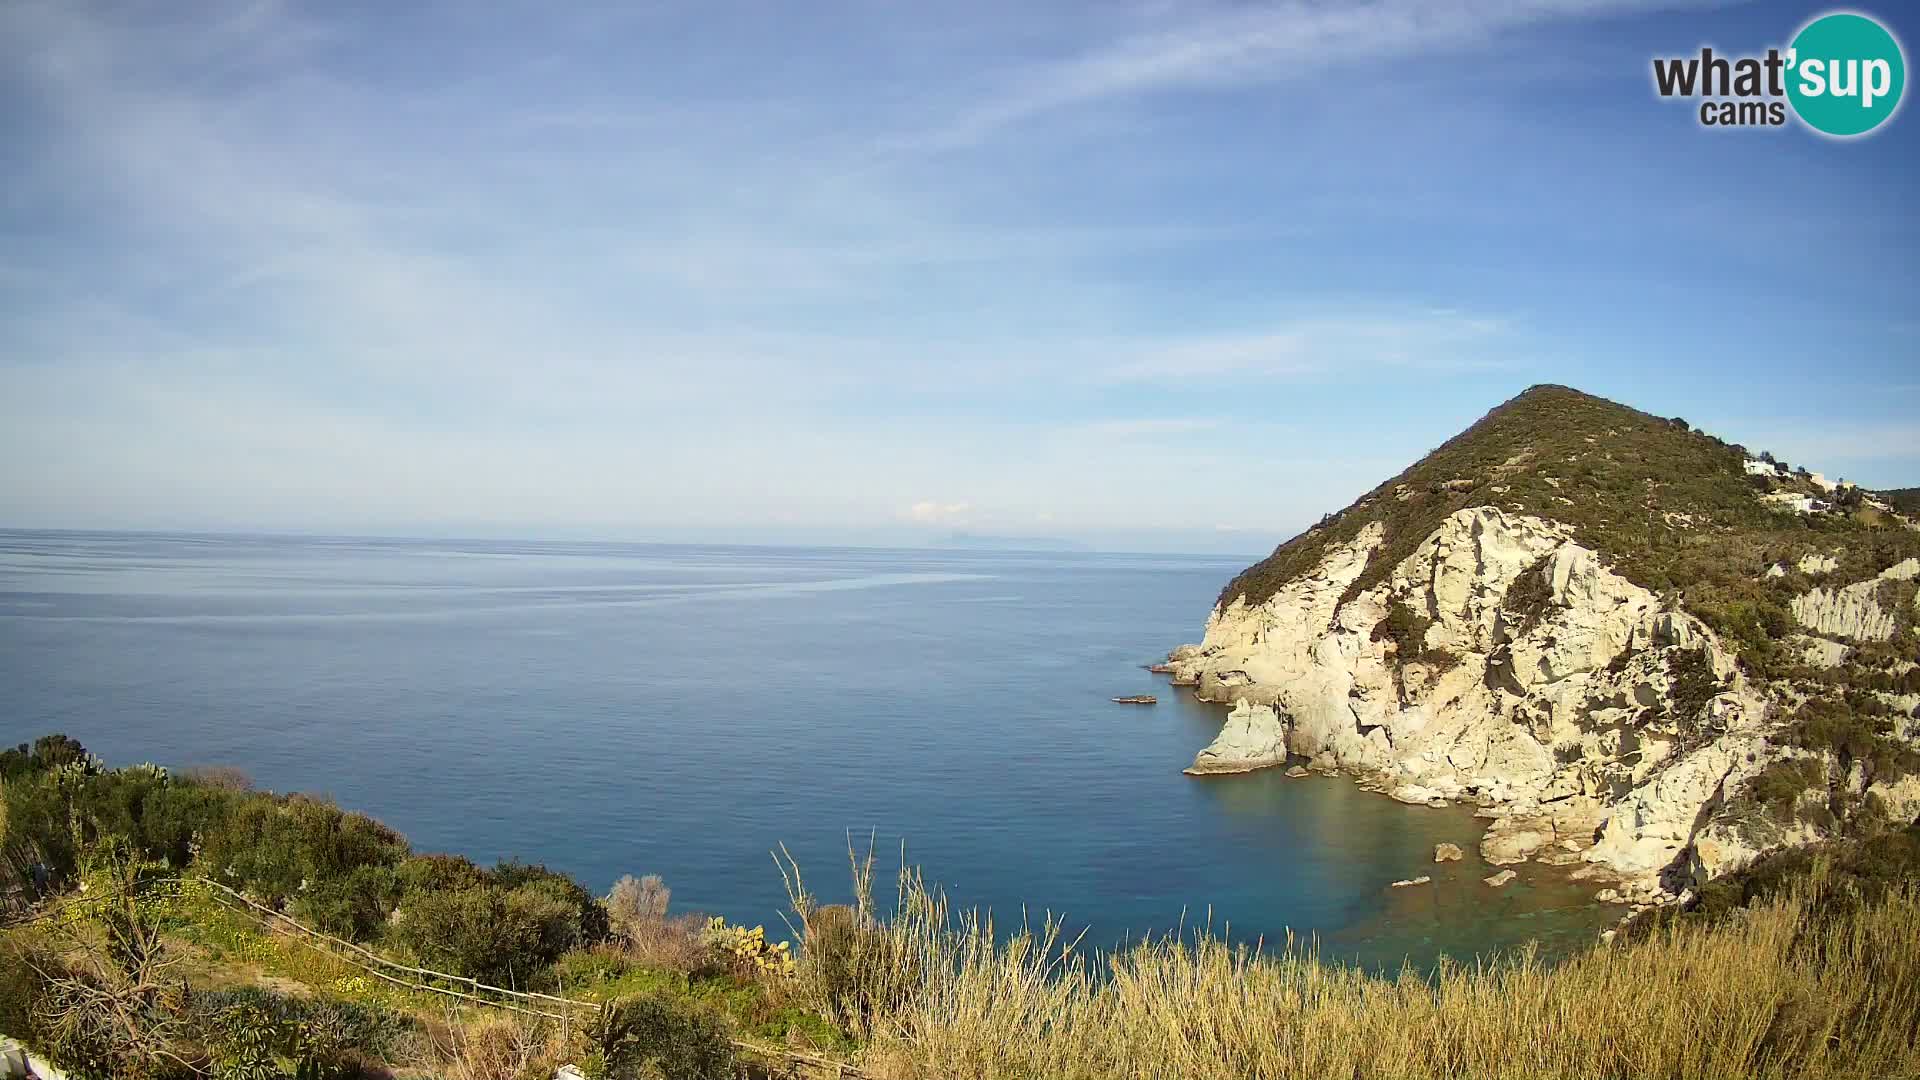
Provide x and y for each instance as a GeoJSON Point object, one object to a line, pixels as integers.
{"type": "Point", "coordinates": [271, 846]}
{"type": "Point", "coordinates": [1692, 688]}
{"type": "Point", "coordinates": [658, 1035]}
{"type": "Point", "coordinates": [438, 873]}
{"type": "Point", "coordinates": [44, 754]}
{"type": "Point", "coordinates": [355, 907]}
{"type": "Point", "coordinates": [1529, 596]}
{"type": "Point", "coordinates": [577, 917]}
{"type": "Point", "coordinates": [325, 1038]}
{"type": "Point", "coordinates": [245, 1040]}
{"type": "Point", "coordinates": [1407, 629]}
{"type": "Point", "coordinates": [1779, 786]}
{"type": "Point", "coordinates": [486, 932]}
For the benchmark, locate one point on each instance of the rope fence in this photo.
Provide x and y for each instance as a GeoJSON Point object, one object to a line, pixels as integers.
{"type": "Point", "coordinates": [524, 1002]}
{"type": "Point", "coordinates": [370, 962]}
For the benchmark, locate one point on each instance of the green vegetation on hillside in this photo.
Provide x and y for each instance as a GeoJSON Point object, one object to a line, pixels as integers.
{"type": "Point", "coordinates": [1668, 507]}
{"type": "Point", "coordinates": [146, 974]}
{"type": "Point", "coordinates": [1905, 500]}
{"type": "Point", "coordinates": [97, 868]}
{"type": "Point", "coordinates": [341, 872]}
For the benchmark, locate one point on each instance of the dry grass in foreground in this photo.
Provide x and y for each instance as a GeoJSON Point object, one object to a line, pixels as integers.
{"type": "Point", "coordinates": [1808, 985]}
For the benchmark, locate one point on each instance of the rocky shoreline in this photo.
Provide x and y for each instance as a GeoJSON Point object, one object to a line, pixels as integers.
{"type": "Point", "coordinates": [1254, 737]}
{"type": "Point", "coordinates": [1516, 833]}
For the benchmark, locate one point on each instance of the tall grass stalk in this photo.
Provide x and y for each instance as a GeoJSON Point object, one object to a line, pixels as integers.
{"type": "Point", "coordinates": [1808, 985]}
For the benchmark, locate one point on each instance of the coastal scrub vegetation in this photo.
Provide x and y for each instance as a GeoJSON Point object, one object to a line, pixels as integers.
{"type": "Point", "coordinates": [120, 962]}
{"type": "Point", "coordinates": [1856, 727]}
{"type": "Point", "coordinates": [1668, 507]}
{"type": "Point", "coordinates": [1779, 786]}
{"type": "Point", "coordinates": [1843, 876]}
{"type": "Point", "coordinates": [75, 831]}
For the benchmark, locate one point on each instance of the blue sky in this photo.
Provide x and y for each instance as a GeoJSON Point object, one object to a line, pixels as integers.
{"type": "Point", "coordinates": [1166, 274]}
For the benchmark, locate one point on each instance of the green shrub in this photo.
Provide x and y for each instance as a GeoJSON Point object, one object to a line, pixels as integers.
{"type": "Point", "coordinates": [1692, 686]}
{"type": "Point", "coordinates": [275, 847]}
{"type": "Point", "coordinates": [44, 754]}
{"type": "Point", "coordinates": [356, 906]}
{"type": "Point", "coordinates": [588, 967]}
{"type": "Point", "coordinates": [580, 920]}
{"type": "Point", "coordinates": [1854, 726]}
{"type": "Point", "coordinates": [175, 820]}
{"type": "Point", "coordinates": [325, 1038]}
{"type": "Point", "coordinates": [497, 935]}
{"type": "Point", "coordinates": [658, 1035]}
{"type": "Point", "coordinates": [164, 817]}
{"type": "Point", "coordinates": [1529, 596]}
{"type": "Point", "coordinates": [1779, 786]}
{"type": "Point", "coordinates": [1753, 625]}
{"type": "Point", "coordinates": [271, 845]}
{"type": "Point", "coordinates": [542, 923]}
{"type": "Point", "coordinates": [439, 873]}
{"type": "Point", "coordinates": [461, 931]}
{"type": "Point", "coordinates": [246, 1040]}
{"type": "Point", "coordinates": [1407, 629]}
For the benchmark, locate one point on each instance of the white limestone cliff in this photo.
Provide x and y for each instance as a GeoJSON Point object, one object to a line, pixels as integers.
{"type": "Point", "coordinates": [1557, 713]}
{"type": "Point", "coordinates": [1853, 611]}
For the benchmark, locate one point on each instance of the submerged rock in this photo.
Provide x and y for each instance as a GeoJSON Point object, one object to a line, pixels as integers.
{"type": "Point", "coordinates": [1500, 878]}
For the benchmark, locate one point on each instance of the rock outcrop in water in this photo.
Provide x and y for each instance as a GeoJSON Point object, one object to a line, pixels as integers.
{"type": "Point", "coordinates": [1503, 655]}
{"type": "Point", "coordinates": [1252, 738]}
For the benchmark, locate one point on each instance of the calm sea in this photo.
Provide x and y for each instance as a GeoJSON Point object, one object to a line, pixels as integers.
{"type": "Point", "coordinates": [679, 710]}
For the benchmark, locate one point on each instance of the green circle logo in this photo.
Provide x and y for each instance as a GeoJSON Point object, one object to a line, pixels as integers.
{"type": "Point", "coordinates": [1845, 74]}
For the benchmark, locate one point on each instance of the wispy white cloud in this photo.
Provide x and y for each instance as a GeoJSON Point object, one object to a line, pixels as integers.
{"type": "Point", "coordinates": [1428, 340]}
{"type": "Point", "coordinates": [1206, 45]}
{"type": "Point", "coordinates": [255, 271]}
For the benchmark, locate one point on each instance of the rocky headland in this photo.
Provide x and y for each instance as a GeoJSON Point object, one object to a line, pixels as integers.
{"type": "Point", "coordinates": [1604, 629]}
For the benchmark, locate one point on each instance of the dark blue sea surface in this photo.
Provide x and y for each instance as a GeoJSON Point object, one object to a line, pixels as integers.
{"type": "Point", "coordinates": [680, 710]}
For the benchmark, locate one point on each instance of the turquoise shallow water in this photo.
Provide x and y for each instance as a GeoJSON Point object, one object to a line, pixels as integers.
{"type": "Point", "coordinates": [611, 709]}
